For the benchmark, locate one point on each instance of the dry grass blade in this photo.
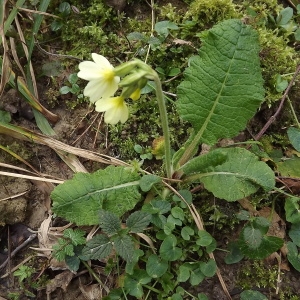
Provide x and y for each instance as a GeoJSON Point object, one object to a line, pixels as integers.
{"type": "Point", "coordinates": [27, 135]}
{"type": "Point", "coordinates": [5, 74]}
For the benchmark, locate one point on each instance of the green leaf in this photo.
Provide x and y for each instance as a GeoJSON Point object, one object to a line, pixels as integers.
{"type": "Point", "coordinates": [156, 267]}
{"type": "Point", "coordinates": [135, 258]}
{"type": "Point", "coordinates": [187, 232]}
{"type": "Point", "coordinates": [157, 207]}
{"type": "Point", "coordinates": [252, 295]}
{"type": "Point", "coordinates": [293, 255]}
{"type": "Point", "coordinates": [204, 238]}
{"type": "Point", "coordinates": [294, 137]}
{"type": "Point", "coordinates": [162, 28]}
{"type": "Point", "coordinates": [76, 236]}
{"type": "Point", "coordinates": [73, 263]}
{"type": "Point", "coordinates": [292, 209]}
{"type": "Point", "coordinates": [98, 247]}
{"type": "Point", "coordinates": [196, 276]}
{"type": "Point", "coordinates": [254, 244]}
{"type": "Point", "coordinates": [135, 36]}
{"type": "Point", "coordinates": [134, 284]}
{"type": "Point", "coordinates": [235, 255]}
{"type": "Point", "coordinates": [184, 272]}
{"type": "Point", "coordinates": [262, 224]}
{"type": "Point", "coordinates": [202, 296]}
{"type": "Point", "coordinates": [294, 233]}
{"type": "Point", "coordinates": [241, 175]}
{"type": "Point", "coordinates": [223, 87]}
{"type": "Point", "coordinates": [204, 162]}
{"type": "Point", "coordinates": [79, 200]}
{"type": "Point", "coordinates": [24, 272]}
{"type": "Point", "coordinates": [186, 194]}
{"type": "Point", "coordinates": [174, 72]}
{"type": "Point", "coordinates": [109, 222]}
{"type": "Point", "coordinates": [73, 78]}
{"type": "Point", "coordinates": [284, 16]}
{"type": "Point", "coordinates": [138, 221]}
{"type": "Point", "coordinates": [65, 90]}
{"type": "Point", "coordinates": [124, 246]}
{"type": "Point", "coordinates": [169, 227]}
{"type": "Point", "coordinates": [208, 268]}
{"type": "Point", "coordinates": [147, 181]}
{"type": "Point", "coordinates": [5, 116]}
{"type": "Point", "coordinates": [168, 249]}
{"type": "Point", "coordinates": [289, 167]}
{"type": "Point", "coordinates": [178, 213]}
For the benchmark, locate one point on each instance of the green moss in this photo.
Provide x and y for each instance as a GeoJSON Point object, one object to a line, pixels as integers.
{"type": "Point", "coordinates": [209, 12]}
{"type": "Point", "coordinates": [257, 274]}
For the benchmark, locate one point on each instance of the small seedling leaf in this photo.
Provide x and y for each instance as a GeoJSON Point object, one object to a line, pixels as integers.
{"type": "Point", "coordinates": [284, 16]}
{"type": "Point", "coordinates": [293, 255]}
{"type": "Point", "coordinates": [98, 247]}
{"type": "Point", "coordinates": [292, 209]}
{"type": "Point", "coordinates": [208, 268]}
{"type": "Point", "coordinates": [254, 244]}
{"type": "Point", "coordinates": [235, 255]}
{"type": "Point", "coordinates": [138, 221]}
{"type": "Point", "coordinates": [294, 137]}
{"type": "Point", "coordinates": [147, 181]}
{"type": "Point", "coordinates": [168, 249]}
{"type": "Point", "coordinates": [294, 233]}
{"type": "Point", "coordinates": [65, 90]}
{"type": "Point", "coordinates": [187, 232]}
{"type": "Point", "coordinates": [79, 200]}
{"type": "Point", "coordinates": [73, 263]}
{"type": "Point", "coordinates": [156, 266]}
{"type": "Point", "coordinates": [178, 213]}
{"type": "Point", "coordinates": [205, 238]}
{"type": "Point", "coordinates": [252, 295]}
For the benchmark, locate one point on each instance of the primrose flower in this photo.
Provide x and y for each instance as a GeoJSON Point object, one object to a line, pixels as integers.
{"type": "Point", "coordinates": [101, 76]}
{"type": "Point", "coordinates": [115, 109]}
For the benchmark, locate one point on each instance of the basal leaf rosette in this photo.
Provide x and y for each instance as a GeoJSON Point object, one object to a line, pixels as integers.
{"type": "Point", "coordinates": [80, 199]}
{"type": "Point", "coordinates": [223, 86]}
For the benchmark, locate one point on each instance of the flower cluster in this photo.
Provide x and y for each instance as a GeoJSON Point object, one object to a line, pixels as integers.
{"type": "Point", "coordinates": [104, 81]}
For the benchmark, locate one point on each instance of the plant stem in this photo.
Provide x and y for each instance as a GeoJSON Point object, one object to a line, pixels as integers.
{"type": "Point", "coordinates": [164, 123]}
{"type": "Point", "coordinates": [293, 111]}
{"type": "Point", "coordinates": [95, 276]}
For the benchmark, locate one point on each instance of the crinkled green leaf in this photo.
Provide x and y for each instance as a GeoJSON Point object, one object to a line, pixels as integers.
{"type": "Point", "coordinates": [76, 236]}
{"type": "Point", "coordinates": [223, 87]}
{"type": "Point", "coordinates": [241, 175]}
{"type": "Point", "coordinates": [79, 200]}
{"type": "Point", "coordinates": [109, 222]}
{"type": "Point", "coordinates": [138, 221]}
{"type": "Point", "coordinates": [254, 244]}
{"type": "Point", "coordinates": [98, 247]}
{"type": "Point", "coordinates": [125, 247]}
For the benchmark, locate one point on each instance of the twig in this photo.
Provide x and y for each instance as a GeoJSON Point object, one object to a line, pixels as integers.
{"type": "Point", "coordinates": [13, 253]}
{"type": "Point", "coordinates": [272, 119]}
{"type": "Point", "coordinates": [152, 26]}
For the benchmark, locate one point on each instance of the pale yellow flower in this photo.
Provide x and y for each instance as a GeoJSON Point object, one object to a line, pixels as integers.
{"type": "Point", "coordinates": [101, 76]}
{"type": "Point", "coordinates": [115, 109]}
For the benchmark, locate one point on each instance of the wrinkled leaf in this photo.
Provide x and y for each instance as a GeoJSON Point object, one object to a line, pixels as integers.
{"type": "Point", "coordinates": [79, 200]}
{"type": "Point", "coordinates": [124, 246]}
{"type": "Point", "coordinates": [241, 175]}
{"type": "Point", "coordinates": [109, 222]}
{"type": "Point", "coordinates": [223, 87]}
{"type": "Point", "coordinates": [98, 247]}
{"type": "Point", "coordinates": [138, 221]}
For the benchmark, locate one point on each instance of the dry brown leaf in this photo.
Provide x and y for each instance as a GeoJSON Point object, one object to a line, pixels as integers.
{"type": "Point", "coordinates": [91, 292]}
{"type": "Point", "coordinates": [61, 280]}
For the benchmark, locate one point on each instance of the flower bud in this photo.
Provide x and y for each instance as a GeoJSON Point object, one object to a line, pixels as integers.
{"type": "Point", "coordinates": [125, 68]}
{"type": "Point", "coordinates": [133, 78]}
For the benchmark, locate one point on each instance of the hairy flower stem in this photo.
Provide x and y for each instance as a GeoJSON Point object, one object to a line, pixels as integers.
{"type": "Point", "coordinates": [164, 123]}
